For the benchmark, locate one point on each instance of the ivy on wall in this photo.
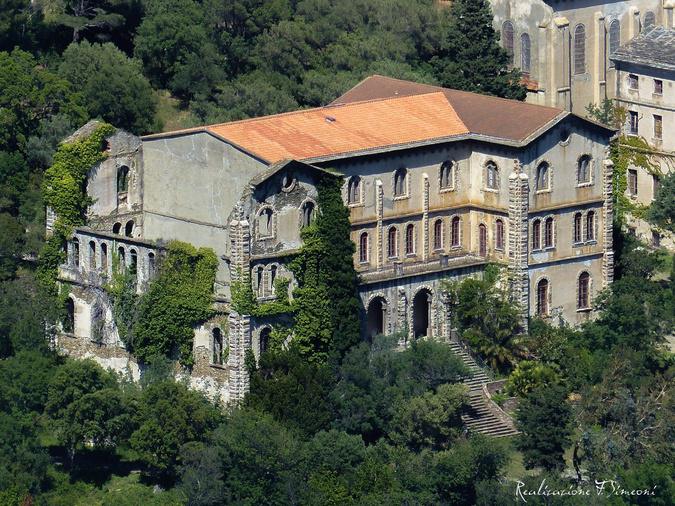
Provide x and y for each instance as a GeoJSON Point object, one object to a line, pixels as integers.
{"type": "Point", "coordinates": [123, 298]}
{"type": "Point", "coordinates": [64, 189]}
{"type": "Point", "coordinates": [178, 299]}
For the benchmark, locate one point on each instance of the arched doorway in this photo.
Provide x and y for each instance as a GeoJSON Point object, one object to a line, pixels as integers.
{"type": "Point", "coordinates": [422, 314]}
{"type": "Point", "coordinates": [377, 315]}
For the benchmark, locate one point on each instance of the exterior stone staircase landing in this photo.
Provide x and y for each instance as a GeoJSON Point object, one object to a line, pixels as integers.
{"type": "Point", "coordinates": [482, 416]}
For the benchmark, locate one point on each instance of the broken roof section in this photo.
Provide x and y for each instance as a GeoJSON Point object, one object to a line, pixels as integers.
{"type": "Point", "coordinates": [655, 48]}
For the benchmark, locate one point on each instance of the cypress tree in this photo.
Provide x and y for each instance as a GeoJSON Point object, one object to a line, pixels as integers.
{"type": "Point", "coordinates": [471, 58]}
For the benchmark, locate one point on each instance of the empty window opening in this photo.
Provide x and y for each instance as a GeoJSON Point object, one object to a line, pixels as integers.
{"type": "Point", "coordinates": [354, 190]}
{"type": "Point", "coordinates": [377, 315]}
{"type": "Point", "coordinates": [422, 314]}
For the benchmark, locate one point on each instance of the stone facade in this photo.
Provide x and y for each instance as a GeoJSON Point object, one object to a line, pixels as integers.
{"type": "Point", "coordinates": [421, 215]}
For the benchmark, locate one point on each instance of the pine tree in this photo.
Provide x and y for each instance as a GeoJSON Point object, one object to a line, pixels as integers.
{"type": "Point", "coordinates": [471, 58]}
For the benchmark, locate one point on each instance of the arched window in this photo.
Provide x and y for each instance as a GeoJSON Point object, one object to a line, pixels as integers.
{"type": "Point", "coordinates": [76, 253]}
{"type": "Point", "coordinates": [273, 277]}
{"type": "Point", "coordinates": [121, 258]}
{"type": "Point", "coordinates": [400, 182]}
{"type": "Point", "coordinates": [584, 291]}
{"type": "Point", "coordinates": [122, 179]}
{"type": "Point", "coordinates": [455, 232]}
{"type": "Point", "coordinates": [307, 213]}
{"type": "Point", "coordinates": [363, 248]}
{"type": "Point", "coordinates": [133, 260]}
{"type": "Point", "coordinates": [69, 321]}
{"type": "Point", "coordinates": [217, 346]}
{"type": "Point", "coordinates": [265, 223]}
{"type": "Point", "coordinates": [392, 243]}
{"type": "Point", "coordinates": [577, 228]}
{"type": "Point", "coordinates": [584, 170]}
{"type": "Point", "coordinates": [354, 190]}
{"type": "Point", "coordinates": [265, 339]}
{"type": "Point", "coordinates": [614, 38]}
{"type": "Point", "coordinates": [542, 298]}
{"type": "Point", "coordinates": [580, 49]}
{"type": "Point", "coordinates": [92, 255]}
{"type": "Point", "coordinates": [482, 240]}
{"type": "Point", "coordinates": [492, 175]}
{"type": "Point", "coordinates": [543, 177]}
{"type": "Point", "coordinates": [536, 234]}
{"type": "Point", "coordinates": [260, 287]}
{"type": "Point", "coordinates": [438, 234]}
{"type": "Point", "coordinates": [525, 47]}
{"type": "Point", "coordinates": [548, 233]}
{"type": "Point", "coordinates": [129, 228]}
{"type": "Point", "coordinates": [410, 239]}
{"type": "Point", "coordinates": [650, 19]}
{"type": "Point", "coordinates": [507, 39]}
{"type": "Point", "coordinates": [590, 226]}
{"type": "Point", "coordinates": [151, 263]}
{"type": "Point", "coordinates": [447, 175]}
{"type": "Point", "coordinates": [499, 235]}
{"type": "Point", "coordinates": [104, 256]}
{"type": "Point", "coordinates": [116, 228]}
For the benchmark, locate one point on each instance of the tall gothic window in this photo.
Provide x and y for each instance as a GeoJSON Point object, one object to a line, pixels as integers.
{"type": "Point", "coordinates": [260, 287]}
{"type": "Point", "coordinates": [525, 48]}
{"type": "Point", "coordinates": [265, 223]}
{"type": "Point", "coordinates": [543, 177]}
{"type": "Point", "coordinates": [492, 175]}
{"type": "Point", "coordinates": [482, 240]}
{"type": "Point", "coordinates": [584, 170]}
{"type": "Point", "coordinates": [542, 297]}
{"type": "Point", "coordinates": [104, 256]}
{"type": "Point", "coordinates": [354, 190]}
{"type": "Point", "coordinates": [273, 277]}
{"type": "Point", "coordinates": [217, 347]}
{"type": "Point", "coordinates": [400, 182]}
{"type": "Point", "coordinates": [92, 255]}
{"type": "Point", "coordinates": [507, 38]}
{"type": "Point", "coordinates": [392, 243]}
{"type": "Point", "coordinates": [590, 226]}
{"type": "Point", "coordinates": [580, 49]}
{"type": "Point", "coordinates": [447, 179]}
{"type": "Point", "coordinates": [536, 234]}
{"type": "Point", "coordinates": [454, 232]}
{"type": "Point", "coordinates": [76, 253]}
{"type": "Point", "coordinates": [410, 239]}
{"type": "Point", "coordinates": [122, 179]}
{"type": "Point", "coordinates": [363, 247]}
{"type": "Point", "coordinates": [499, 235]}
{"type": "Point", "coordinates": [584, 291]}
{"type": "Point", "coordinates": [438, 234]}
{"type": "Point", "coordinates": [577, 228]}
{"type": "Point", "coordinates": [614, 38]}
{"type": "Point", "coordinates": [548, 233]}
{"type": "Point", "coordinates": [307, 213]}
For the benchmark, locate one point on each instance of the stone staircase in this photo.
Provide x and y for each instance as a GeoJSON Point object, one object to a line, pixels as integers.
{"type": "Point", "coordinates": [481, 416]}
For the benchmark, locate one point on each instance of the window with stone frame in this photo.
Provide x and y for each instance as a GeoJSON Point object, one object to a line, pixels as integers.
{"type": "Point", "coordinates": [656, 185]}
{"type": "Point", "coordinates": [584, 291]}
{"type": "Point", "coordinates": [401, 183]}
{"type": "Point", "coordinates": [363, 248]}
{"type": "Point", "coordinates": [658, 87]}
{"type": "Point", "coordinates": [614, 39]}
{"type": "Point", "coordinates": [447, 175]}
{"type": "Point", "coordinates": [633, 81]}
{"type": "Point", "coordinates": [499, 234]}
{"type": "Point", "coordinates": [584, 170]}
{"type": "Point", "coordinates": [525, 53]}
{"type": "Point", "coordinates": [307, 212]}
{"type": "Point", "coordinates": [549, 232]}
{"type": "Point", "coordinates": [491, 176]}
{"type": "Point", "coordinates": [122, 179]}
{"type": "Point", "coordinates": [354, 190]}
{"type": "Point", "coordinates": [542, 298]}
{"type": "Point", "coordinates": [217, 357]}
{"type": "Point", "coordinates": [410, 239]}
{"type": "Point", "coordinates": [259, 285]}
{"type": "Point", "coordinates": [265, 222]}
{"type": "Point", "coordinates": [658, 126]}
{"type": "Point", "coordinates": [392, 243]}
{"type": "Point", "coordinates": [508, 39]}
{"type": "Point", "coordinates": [580, 49]}
{"type": "Point", "coordinates": [577, 237]}
{"type": "Point", "coordinates": [273, 277]}
{"type": "Point", "coordinates": [632, 182]}
{"type": "Point", "coordinates": [590, 226]}
{"type": "Point", "coordinates": [438, 234]}
{"type": "Point", "coordinates": [543, 183]}
{"type": "Point", "coordinates": [75, 255]}
{"type": "Point", "coordinates": [482, 240]}
{"type": "Point", "coordinates": [536, 234]}
{"type": "Point", "coordinates": [633, 123]}
{"type": "Point", "coordinates": [455, 231]}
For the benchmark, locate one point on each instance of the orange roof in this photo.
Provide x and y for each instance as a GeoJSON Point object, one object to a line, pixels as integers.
{"type": "Point", "coordinates": [344, 128]}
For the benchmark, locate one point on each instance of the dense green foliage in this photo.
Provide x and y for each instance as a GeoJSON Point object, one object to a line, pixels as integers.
{"type": "Point", "coordinates": [662, 210]}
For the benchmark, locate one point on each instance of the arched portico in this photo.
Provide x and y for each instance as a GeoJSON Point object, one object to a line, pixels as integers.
{"type": "Point", "coordinates": [377, 316]}
{"type": "Point", "coordinates": [421, 314]}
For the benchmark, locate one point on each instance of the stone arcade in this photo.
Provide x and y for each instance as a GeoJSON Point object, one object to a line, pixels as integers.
{"type": "Point", "coordinates": [439, 183]}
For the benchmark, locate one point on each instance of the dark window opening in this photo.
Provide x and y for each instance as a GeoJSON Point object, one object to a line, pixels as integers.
{"type": "Point", "coordinates": [363, 248]}
{"type": "Point", "coordinates": [400, 182]}
{"type": "Point", "coordinates": [377, 315]}
{"type": "Point", "coordinates": [265, 339]}
{"type": "Point", "coordinates": [129, 228]}
{"type": "Point", "coordinates": [307, 214]}
{"type": "Point", "coordinates": [482, 240]}
{"type": "Point", "coordinates": [354, 190]}
{"type": "Point", "coordinates": [499, 235]}
{"type": "Point", "coordinates": [422, 314]}
{"type": "Point", "coordinates": [392, 246]}
{"type": "Point", "coordinates": [410, 240]}
{"type": "Point", "coordinates": [542, 298]}
{"type": "Point", "coordinates": [217, 347]}
{"type": "Point", "coordinates": [583, 294]}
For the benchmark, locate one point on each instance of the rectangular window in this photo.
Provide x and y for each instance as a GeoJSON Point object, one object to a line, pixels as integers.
{"type": "Point", "coordinates": [658, 87]}
{"type": "Point", "coordinates": [633, 125]}
{"type": "Point", "coordinates": [658, 127]}
{"type": "Point", "coordinates": [633, 82]}
{"type": "Point", "coordinates": [632, 182]}
{"type": "Point", "coordinates": [656, 182]}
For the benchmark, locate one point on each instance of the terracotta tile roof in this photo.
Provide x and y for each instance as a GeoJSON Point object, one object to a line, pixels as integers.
{"type": "Point", "coordinates": [340, 129]}
{"type": "Point", "coordinates": [482, 114]}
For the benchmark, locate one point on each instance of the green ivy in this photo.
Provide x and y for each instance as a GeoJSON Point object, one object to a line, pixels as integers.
{"type": "Point", "coordinates": [123, 298]}
{"type": "Point", "coordinates": [178, 299]}
{"type": "Point", "coordinates": [243, 298]}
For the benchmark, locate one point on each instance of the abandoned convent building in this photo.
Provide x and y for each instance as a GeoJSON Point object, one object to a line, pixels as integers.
{"type": "Point", "coordinates": [439, 183]}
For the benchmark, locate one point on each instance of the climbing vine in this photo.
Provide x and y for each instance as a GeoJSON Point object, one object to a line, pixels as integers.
{"type": "Point", "coordinates": [178, 299]}
{"type": "Point", "coordinates": [122, 293]}
{"type": "Point", "coordinates": [64, 191]}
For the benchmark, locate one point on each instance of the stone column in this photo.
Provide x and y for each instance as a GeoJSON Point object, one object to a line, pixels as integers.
{"type": "Point", "coordinates": [379, 208]}
{"type": "Point", "coordinates": [446, 323]}
{"type": "Point", "coordinates": [518, 240]}
{"type": "Point", "coordinates": [425, 218]}
{"type": "Point", "coordinates": [607, 223]}
{"type": "Point", "coordinates": [402, 316]}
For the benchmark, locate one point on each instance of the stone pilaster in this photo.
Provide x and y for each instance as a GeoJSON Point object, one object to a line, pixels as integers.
{"type": "Point", "coordinates": [240, 244]}
{"type": "Point", "coordinates": [379, 204]}
{"type": "Point", "coordinates": [518, 240]}
{"type": "Point", "coordinates": [446, 330]}
{"type": "Point", "coordinates": [240, 342]}
{"type": "Point", "coordinates": [425, 218]}
{"type": "Point", "coordinates": [402, 316]}
{"type": "Point", "coordinates": [607, 223]}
